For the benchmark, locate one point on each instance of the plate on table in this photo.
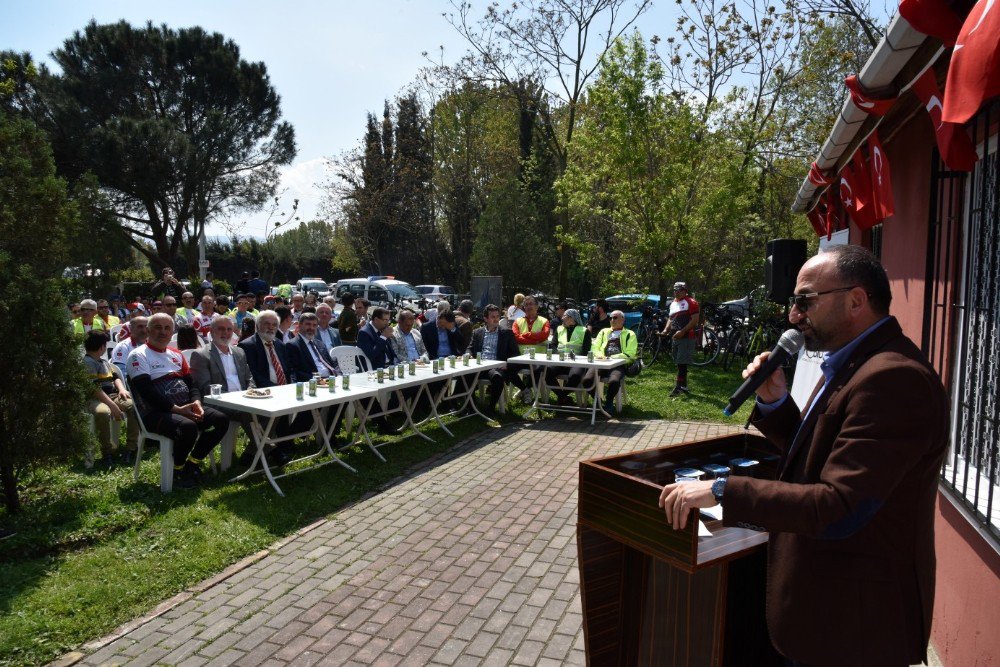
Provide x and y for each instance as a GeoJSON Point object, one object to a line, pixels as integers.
{"type": "Point", "coordinates": [257, 394]}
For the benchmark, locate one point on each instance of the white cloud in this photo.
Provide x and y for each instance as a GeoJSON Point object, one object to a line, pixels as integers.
{"type": "Point", "coordinates": [302, 181]}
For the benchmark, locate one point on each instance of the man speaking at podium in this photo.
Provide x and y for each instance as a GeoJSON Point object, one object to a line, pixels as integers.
{"type": "Point", "coordinates": [851, 515]}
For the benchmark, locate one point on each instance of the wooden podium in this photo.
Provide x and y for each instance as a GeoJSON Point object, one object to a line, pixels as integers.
{"type": "Point", "coordinates": [656, 596]}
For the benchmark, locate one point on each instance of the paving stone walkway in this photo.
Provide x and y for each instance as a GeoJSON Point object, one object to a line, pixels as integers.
{"type": "Point", "coordinates": [469, 561]}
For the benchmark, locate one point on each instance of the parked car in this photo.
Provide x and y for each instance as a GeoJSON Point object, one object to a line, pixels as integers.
{"type": "Point", "coordinates": [434, 292]}
{"type": "Point", "coordinates": [362, 287]}
{"type": "Point", "coordinates": [633, 306]}
{"type": "Point", "coordinates": [401, 293]}
{"type": "Point", "coordinates": [318, 285]}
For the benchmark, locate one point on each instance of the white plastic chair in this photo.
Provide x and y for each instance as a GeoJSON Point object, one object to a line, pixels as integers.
{"type": "Point", "coordinates": [114, 334]}
{"type": "Point", "coordinates": [166, 453]}
{"type": "Point", "coordinates": [350, 359]}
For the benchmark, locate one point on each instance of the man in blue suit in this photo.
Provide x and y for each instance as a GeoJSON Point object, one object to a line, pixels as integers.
{"type": "Point", "coordinates": [309, 354]}
{"type": "Point", "coordinates": [441, 336]}
{"type": "Point", "coordinates": [373, 339]}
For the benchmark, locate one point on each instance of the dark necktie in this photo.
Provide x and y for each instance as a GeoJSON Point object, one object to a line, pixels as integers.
{"type": "Point", "coordinates": [319, 356]}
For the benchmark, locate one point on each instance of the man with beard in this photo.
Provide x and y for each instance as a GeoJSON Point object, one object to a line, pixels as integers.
{"type": "Point", "coordinates": [308, 354]}
{"type": "Point", "coordinates": [851, 515]}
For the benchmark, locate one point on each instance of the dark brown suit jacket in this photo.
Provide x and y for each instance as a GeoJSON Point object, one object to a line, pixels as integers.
{"type": "Point", "coordinates": [851, 551]}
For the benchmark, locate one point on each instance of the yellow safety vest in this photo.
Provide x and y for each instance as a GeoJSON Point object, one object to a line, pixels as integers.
{"type": "Point", "coordinates": [97, 325]}
{"type": "Point", "coordinates": [537, 327]}
{"type": "Point", "coordinates": [571, 344]}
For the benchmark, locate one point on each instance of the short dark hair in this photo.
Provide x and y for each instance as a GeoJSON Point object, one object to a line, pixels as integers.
{"type": "Point", "coordinates": [563, 305]}
{"type": "Point", "coordinates": [306, 317]}
{"type": "Point", "coordinates": [602, 304]}
{"type": "Point", "coordinates": [363, 301]}
{"type": "Point", "coordinates": [379, 313]}
{"type": "Point", "coordinates": [857, 265]}
{"type": "Point", "coordinates": [447, 316]}
{"type": "Point", "coordinates": [490, 308]}
{"type": "Point", "coordinates": [187, 338]}
{"type": "Point", "coordinates": [94, 341]}
{"type": "Point", "coordinates": [283, 313]}
{"type": "Point", "coordinates": [466, 306]}
{"type": "Point", "coordinates": [347, 299]}
{"type": "Point", "coordinates": [307, 309]}
{"type": "Point", "coordinates": [255, 274]}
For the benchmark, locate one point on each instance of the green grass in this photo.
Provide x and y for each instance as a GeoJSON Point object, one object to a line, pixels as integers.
{"type": "Point", "coordinates": [93, 549]}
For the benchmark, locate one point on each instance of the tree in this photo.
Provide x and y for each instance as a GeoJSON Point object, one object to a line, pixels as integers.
{"type": "Point", "coordinates": [37, 223]}
{"type": "Point", "coordinates": [175, 126]}
{"type": "Point", "coordinates": [544, 52]}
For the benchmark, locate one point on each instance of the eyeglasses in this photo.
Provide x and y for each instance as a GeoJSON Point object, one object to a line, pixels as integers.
{"type": "Point", "coordinates": [802, 300]}
{"type": "Point", "coordinates": [618, 317]}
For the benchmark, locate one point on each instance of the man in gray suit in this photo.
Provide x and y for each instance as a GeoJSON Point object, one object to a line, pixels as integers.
{"type": "Point", "coordinates": [406, 341]}
{"type": "Point", "coordinates": [220, 362]}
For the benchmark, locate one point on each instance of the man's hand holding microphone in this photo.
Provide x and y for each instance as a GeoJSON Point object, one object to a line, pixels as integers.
{"type": "Point", "coordinates": [765, 377]}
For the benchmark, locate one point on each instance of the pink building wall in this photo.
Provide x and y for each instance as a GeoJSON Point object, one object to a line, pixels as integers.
{"type": "Point", "coordinates": [966, 625]}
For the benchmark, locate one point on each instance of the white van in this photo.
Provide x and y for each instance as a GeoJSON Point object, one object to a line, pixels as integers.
{"type": "Point", "coordinates": [363, 287]}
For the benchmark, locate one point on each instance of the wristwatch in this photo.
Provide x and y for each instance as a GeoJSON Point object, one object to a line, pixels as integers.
{"type": "Point", "coordinates": [718, 488]}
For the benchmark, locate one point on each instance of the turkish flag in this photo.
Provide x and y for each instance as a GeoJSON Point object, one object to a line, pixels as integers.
{"type": "Point", "coordinates": [817, 217]}
{"type": "Point", "coordinates": [817, 177]}
{"type": "Point", "coordinates": [953, 141]}
{"type": "Point", "coordinates": [974, 72]}
{"type": "Point", "coordinates": [856, 193]}
{"type": "Point", "coordinates": [932, 17]}
{"type": "Point", "coordinates": [878, 167]}
{"type": "Point", "coordinates": [864, 102]}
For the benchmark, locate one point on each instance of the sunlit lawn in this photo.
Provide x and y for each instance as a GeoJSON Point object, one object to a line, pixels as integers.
{"type": "Point", "coordinates": [93, 549]}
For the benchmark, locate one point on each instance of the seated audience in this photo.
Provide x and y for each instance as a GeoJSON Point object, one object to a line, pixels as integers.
{"type": "Point", "coordinates": [110, 399]}
{"type": "Point", "coordinates": [137, 336]}
{"type": "Point", "coordinates": [496, 344]}
{"type": "Point", "coordinates": [170, 402]}
{"type": "Point", "coordinates": [373, 339]}
{"type": "Point", "coordinates": [326, 331]}
{"type": "Point", "coordinates": [406, 340]}
{"type": "Point", "coordinates": [615, 343]}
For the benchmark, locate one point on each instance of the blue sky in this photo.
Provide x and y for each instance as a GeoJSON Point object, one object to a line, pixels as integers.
{"type": "Point", "coordinates": [332, 62]}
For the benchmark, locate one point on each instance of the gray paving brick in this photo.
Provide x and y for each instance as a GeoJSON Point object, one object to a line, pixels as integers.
{"type": "Point", "coordinates": [471, 560]}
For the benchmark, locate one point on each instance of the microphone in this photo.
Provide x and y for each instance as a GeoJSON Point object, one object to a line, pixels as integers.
{"type": "Point", "coordinates": [789, 344]}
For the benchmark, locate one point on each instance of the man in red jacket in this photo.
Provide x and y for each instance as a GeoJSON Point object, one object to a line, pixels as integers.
{"type": "Point", "coordinates": [530, 331]}
{"type": "Point", "coordinates": [851, 516]}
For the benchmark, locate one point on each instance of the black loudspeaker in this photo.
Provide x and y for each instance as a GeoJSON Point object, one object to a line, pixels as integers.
{"type": "Point", "coordinates": [784, 259]}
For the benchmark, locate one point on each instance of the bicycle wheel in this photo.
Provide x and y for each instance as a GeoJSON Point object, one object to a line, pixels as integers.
{"type": "Point", "coordinates": [735, 345]}
{"type": "Point", "coordinates": [648, 348]}
{"type": "Point", "coordinates": [707, 347]}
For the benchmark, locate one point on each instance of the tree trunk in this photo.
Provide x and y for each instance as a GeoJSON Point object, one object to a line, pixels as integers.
{"type": "Point", "coordinates": [9, 482]}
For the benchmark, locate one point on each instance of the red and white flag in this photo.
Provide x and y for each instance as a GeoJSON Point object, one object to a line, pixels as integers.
{"type": "Point", "coordinates": [932, 17]}
{"type": "Point", "coordinates": [974, 72]}
{"type": "Point", "coordinates": [867, 104]}
{"type": "Point", "coordinates": [953, 141]}
{"type": "Point", "coordinates": [878, 167]}
{"type": "Point", "coordinates": [832, 216]}
{"type": "Point", "coordinates": [817, 218]}
{"type": "Point", "coordinates": [817, 177]}
{"type": "Point", "coordinates": [856, 194]}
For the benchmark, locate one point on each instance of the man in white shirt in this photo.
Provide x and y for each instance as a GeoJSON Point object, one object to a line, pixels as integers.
{"type": "Point", "coordinates": [222, 363]}
{"type": "Point", "coordinates": [330, 335]}
{"type": "Point", "coordinates": [137, 336]}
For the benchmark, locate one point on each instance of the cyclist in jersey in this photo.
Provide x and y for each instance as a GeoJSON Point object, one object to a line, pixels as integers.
{"type": "Point", "coordinates": [680, 327]}
{"type": "Point", "coordinates": [170, 402]}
